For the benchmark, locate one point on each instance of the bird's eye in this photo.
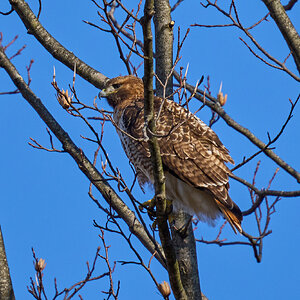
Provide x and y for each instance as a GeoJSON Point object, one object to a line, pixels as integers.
{"type": "Point", "coordinates": [116, 85]}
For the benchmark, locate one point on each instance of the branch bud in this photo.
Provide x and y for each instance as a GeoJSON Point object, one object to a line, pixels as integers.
{"type": "Point", "coordinates": [221, 98]}
{"type": "Point", "coordinates": [64, 98]}
{"type": "Point", "coordinates": [40, 265]}
{"type": "Point", "coordinates": [164, 289]}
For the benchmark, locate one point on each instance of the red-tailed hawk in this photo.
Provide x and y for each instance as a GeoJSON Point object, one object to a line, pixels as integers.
{"type": "Point", "coordinates": [193, 157]}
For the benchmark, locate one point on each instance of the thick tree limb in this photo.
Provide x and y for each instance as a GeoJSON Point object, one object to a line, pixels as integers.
{"type": "Point", "coordinates": [54, 47]}
{"type": "Point", "coordinates": [82, 161]}
{"type": "Point", "coordinates": [163, 46]}
{"type": "Point", "coordinates": [286, 27]}
{"type": "Point", "coordinates": [186, 252]}
{"type": "Point", "coordinates": [185, 248]}
{"type": "Point", "coordinates": [159, 179]}
{"type": "Point", "coordinates": [6, 289]}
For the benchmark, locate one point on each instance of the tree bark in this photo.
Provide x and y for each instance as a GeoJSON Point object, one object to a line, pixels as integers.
{"type": "Point", "coordinates": [6, 289]}
{"type": "Point", "coordinates": [185, 248]}
{"type": "Point", "coordinates": [59, 52]}
{"type": "Point", "coordinates": [159, 179]}
{"type": "Point", "coordinates": [163, 46]}
{"type": "Point", "coordinates": [286, 27]}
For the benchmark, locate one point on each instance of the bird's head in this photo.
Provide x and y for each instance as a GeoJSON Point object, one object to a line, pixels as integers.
{"type": "Point", "coordinates": [122, 88]}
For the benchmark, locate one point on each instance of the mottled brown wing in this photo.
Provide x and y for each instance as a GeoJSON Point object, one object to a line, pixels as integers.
{"type": "Point", "coordinates": [193, 151]}
{"type": "Point", "coordinates": [189, 148]}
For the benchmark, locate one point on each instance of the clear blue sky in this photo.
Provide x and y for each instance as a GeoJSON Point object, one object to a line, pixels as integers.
{"type": "Point", "coordinates": [44, 200]}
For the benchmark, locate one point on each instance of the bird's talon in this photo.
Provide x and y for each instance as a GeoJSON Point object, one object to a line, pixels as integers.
{"type": "Point", "coordinates": [149, 206]}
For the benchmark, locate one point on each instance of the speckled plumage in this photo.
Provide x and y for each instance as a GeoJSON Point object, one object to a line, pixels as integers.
{"type": "Point", "coordinates": [193, 156]}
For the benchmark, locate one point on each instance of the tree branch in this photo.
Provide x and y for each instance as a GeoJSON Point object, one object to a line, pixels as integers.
{"type": "Point", "coordinates": [290, 4]}
{"type": "Point", "coordinates": [82, 161]}
{"type": "Point", "coordinates": [54, 47]}
{"type": "Point", "coordinates": [163, 46]}
{"type": "Point", "coordinates": [286, 27]}
{"type": "Point", "coordinates": [234, 18]}
{"type": "Point", "coordinates": [159, 179]}
{"type": "Point", "coordinates": [185, 247]}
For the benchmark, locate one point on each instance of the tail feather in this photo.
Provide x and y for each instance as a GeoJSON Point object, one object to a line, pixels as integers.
{"type": "Point", "coordinates": [233, 216]}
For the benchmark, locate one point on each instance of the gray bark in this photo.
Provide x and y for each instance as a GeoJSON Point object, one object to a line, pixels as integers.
{"type": "Point", "coordinates": [6, 289]}
{"type": "Point", "coordinates": [163, 45]}
{"type": "Point", "coordinates": [286, 27]}
{"type": "Point", "coordinates": [185, 248]}
{"type": "Point", "coordinates": [59, 52]}
{"type": "Point", "coordinates": [159, 179]}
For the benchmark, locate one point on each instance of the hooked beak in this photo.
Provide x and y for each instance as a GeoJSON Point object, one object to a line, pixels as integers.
{"type": "Point", "coordinates": [102, 94]}
{"type": "Point", "coordinates": [106, 92]}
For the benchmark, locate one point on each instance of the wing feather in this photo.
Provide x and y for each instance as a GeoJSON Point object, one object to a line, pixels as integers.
{"type": "Point", "coordinates": [189, 148]}
{"type": "Point", "coordinates": [193, 151]}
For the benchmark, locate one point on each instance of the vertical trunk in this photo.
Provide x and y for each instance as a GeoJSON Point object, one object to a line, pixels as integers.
{"type": "Point", "coordinates": [163, 46]}
{"type": "Point", "coordinates": [185, 248]}
{"type": "Point", "coordinates": [159, 179]}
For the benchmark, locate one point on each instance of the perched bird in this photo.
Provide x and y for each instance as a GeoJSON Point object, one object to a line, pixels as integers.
{"type": "Point", "coordinates": [193, 157]}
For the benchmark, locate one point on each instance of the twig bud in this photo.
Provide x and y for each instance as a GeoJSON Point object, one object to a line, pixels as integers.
{"type": "Point", "coordinates": [221, 98]}
{"type": "Point", "coordinates": [40, 265]}
{"type": "Point", "coordinates": [64, 98]}
{"type": "Point", "coordinates": [164, 289]}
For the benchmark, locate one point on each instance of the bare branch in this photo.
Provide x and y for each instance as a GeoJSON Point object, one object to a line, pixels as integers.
{"type": "Point", "coordinates": [82, 161]}
{"type": "Point", "coordinates": [290, 4]}
{"type": "Point", "coordinates": [159, 179]}
{"type": "Point", "coordinates": [176, 5]}
{"type": "Point", "coordinates": [293, 105]}
{"type": "Point", "coordinates": [235, 21]}
{"type": "Point", "coordinates": [286, 27]}
{"type": "Point", "coordinates": [54, 47]}
{"type": "Point", "coordinates": [7, 13]}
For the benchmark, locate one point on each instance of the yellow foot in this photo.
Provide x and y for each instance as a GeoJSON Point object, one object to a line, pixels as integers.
{"type": "Point", "coordinates": [150, 207]}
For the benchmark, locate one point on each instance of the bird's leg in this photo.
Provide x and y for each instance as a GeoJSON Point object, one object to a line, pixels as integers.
{"type": "Point", "coordinates": [150, 207]}
{"type": "Point", "coordinates": [168, 212]}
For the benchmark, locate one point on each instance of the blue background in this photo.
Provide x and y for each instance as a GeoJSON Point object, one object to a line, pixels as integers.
{"type": "Point", "coordinates": [44, 200]}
